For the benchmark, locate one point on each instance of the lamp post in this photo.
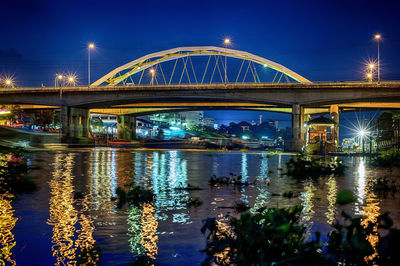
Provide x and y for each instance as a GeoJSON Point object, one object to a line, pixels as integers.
{"type": "Point", "coordinates": [59, 77]}
{"type": "Point", "coordinates": [90, 47]}
{"type": "Point", "coordinates": [72, 80]}
{"type": "Point", "coordinates": [378, 38]}
{"type": "Point", "coordinates": [8, 82]}
{"type": "Point", "coordinates": [226, 43]}
{"type": "Point", "coordinates": [152, 72]}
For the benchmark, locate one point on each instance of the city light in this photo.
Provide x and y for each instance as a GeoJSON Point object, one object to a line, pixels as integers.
{"type": "Point", "coordinates": [227, 41]}
{"type": "Point", "coordinates": [72, 79]}
{"type": "Point", "coordinates": [90, 47]}
{"type": "Point", "coordinates": [60, 77]}
{"type": "Point", "coordinates": [3, 112]}
{"type": "Point", "coordinates": [378, 38]}
{"type": "Point", "coordinates": [371, 66]}
{"type": "Point", "coordinates": [152, 71]}
{"type": "Point", "coordinates": [8, 82]}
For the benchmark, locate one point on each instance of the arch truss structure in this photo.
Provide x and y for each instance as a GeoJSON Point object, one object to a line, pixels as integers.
{"type": "Point", "coordinates": [199, 65]}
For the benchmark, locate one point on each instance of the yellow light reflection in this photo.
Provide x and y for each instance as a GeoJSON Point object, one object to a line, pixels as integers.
{"type": "Point", "coordinates": [142, 230]}
{"type": "Point", "coordinates": [371, 211]}
{"type": "Point", "coordinates": [63, 215]}
{"type": "Point", "coordinates": [308, 207]}
{"type": "Point", "coordinates": [85, 240]}
{"type": "Point", "coordinates": [332, 192]}
{"type": "Point", "coordinates": [149, 230]}
{"type": "Point", "coordinates": [7, 223]}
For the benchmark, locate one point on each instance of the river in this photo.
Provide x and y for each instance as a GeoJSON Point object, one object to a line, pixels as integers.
{"type": "Point", "coordinates": [72, 209]}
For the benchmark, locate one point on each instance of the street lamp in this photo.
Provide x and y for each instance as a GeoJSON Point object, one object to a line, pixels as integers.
{"type": "Point", "coordinates": [59, 77]}
{"type": "Point", "coordinates": [8, 82]}
{"type": "Point", "coordinates": [71, 80]}
{"type": "Point", "coordinates": [227, 41]}
{"type": "Point", "coordinates": [378, 38]}
{"type": "Point", "coordinates": [90, 47]}
{"type": "Point", "coordinates": [369, 76]}
{"type": "Point", "coordinates": [152, 72]}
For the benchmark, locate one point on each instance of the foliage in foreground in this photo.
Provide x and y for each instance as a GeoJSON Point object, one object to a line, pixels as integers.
{"type": "Point", "coordinates": [386, 159]}
{"type": "Point", "coordinates": [134, 196]}
{"type": "Point", "coordinates": [304, 167]}
{"type": "Point", "coordinates": [13, 173]}
{"type": "Point", "coordinates": [276, 237]}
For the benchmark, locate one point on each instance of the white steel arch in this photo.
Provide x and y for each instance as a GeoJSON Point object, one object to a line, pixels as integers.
{"type": "Point", "coordinates": [148, 61]}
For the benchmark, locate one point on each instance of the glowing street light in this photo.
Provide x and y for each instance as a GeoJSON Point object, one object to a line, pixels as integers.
{"type": "Point", "coordinates": [227, 41]}
{"type": "Point", "coordinates": [378, 37]}
{"type": "Point", "coordinates": [8, 82]}
{"type": "Point", "coordinates": [71, 80]}
{"type": "Point", "coordinates": [369, 77]}
{"type": "Point", "coordinates": [59, 77]}
{"type": "Point", "coordinates": [90, 47]}
{"type": "Point", "coordinates": [152, 72]}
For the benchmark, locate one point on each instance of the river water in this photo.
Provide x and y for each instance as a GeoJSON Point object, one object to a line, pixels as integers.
{"type": "Point", "coordinates": [73, 210]}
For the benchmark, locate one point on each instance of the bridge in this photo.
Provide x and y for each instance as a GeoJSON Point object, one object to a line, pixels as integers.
{"type": "Point", "coordinates": [149, 85]}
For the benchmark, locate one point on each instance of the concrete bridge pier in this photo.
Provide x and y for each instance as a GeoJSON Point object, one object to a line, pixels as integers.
{"type": "Point", "coordinates": [75, 125]}
{"type": "Point", "coordinates": [126, 127]}
{"type": "Point", "coordinates": [334, 112]}
{"type": "Point", "coordinates": [298, 130]}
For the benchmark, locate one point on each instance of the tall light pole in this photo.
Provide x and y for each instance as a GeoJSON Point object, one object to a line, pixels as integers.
{"type": "Point", "coordinates": [8, 82]}
{"type": "Point", "coordinates": [72, 80]}
{"type": "Point", "coordinates": [152, 72]}
{"type": "Point", "coordinates": [370, 72]}
{"type": "Point", "coordinates": [378, 38]}
{"type": "Point", "coordinates": [90, 47]}
{"type": "Point", "coordinates": [59, 77]}
{"type": "Point", "coordinates": [226, 43]}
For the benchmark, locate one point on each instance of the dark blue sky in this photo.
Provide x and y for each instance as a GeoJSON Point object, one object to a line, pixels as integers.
{"type": "Point", "coordinates": [321, 40]}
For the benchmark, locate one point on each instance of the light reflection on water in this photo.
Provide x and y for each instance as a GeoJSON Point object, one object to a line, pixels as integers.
{"type": "Point", "coordinates": [7, 223]}
{"type": "Point", "coordinates": [167, 229]}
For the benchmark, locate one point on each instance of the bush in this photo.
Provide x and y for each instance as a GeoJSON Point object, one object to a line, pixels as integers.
{"type": "Point", "coordinates": [305, 167]}
{"type": "Point", "coordinates": [134, 196]}
{"type": "Point", "coordinates": [276, 237]}
{"type": "Point", "coordinates": [13, 174]}
{"type": "Point", "coordinates": [386, 159]}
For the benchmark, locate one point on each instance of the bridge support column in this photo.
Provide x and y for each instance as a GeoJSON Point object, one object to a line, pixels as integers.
{"type": "Point", "coordinates": [334, 112]}
{"type": "Point", "coordinates": [65, 120]}
{"type": "Point", "coordinates": [298, 132]}
{"type": "Point", "coordinates": [75, 125]}
{"type": "Point", "coordinates": [126, 127]}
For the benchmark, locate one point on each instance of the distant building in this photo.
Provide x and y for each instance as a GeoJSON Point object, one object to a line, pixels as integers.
{"type": "Point", "coordinates": [145, 128]}
{"type": "Point", "coordinates": [245, 126]}
{"type": "Point", "coordinates": [209, 122]}
{"type": "Point", "coordinates": [194, 118]}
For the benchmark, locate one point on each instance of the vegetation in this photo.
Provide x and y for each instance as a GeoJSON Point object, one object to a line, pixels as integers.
{"type": "Point", "coordinates": [193, 202]}
{"type": "Point", "coordinates": [277, 237]}
{"type": "Point", "coordinates": [386, 159]}
{"type": "Point", "coordinates": [189, 187]}
{"type": "Point", "coordinates": [345, 197]}
{"type": "Point", "coordinates": [288, 194]}
{"type": "Point", "coordinates": [232, 179]}
{"type": "Point", "coordinates": [272, 236]}
{"type": "Point", "coordinates": [305, 167]}
{"type": "Point", "coordinates": [382, 186]}
{"type": "Point", "coordinates": [134, 196]}
{"type": "Point", "coordinates": [13, 173]}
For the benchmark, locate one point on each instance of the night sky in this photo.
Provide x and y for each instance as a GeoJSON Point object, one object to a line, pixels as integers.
{"type": "Point", "coordinates": [321, 40]}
